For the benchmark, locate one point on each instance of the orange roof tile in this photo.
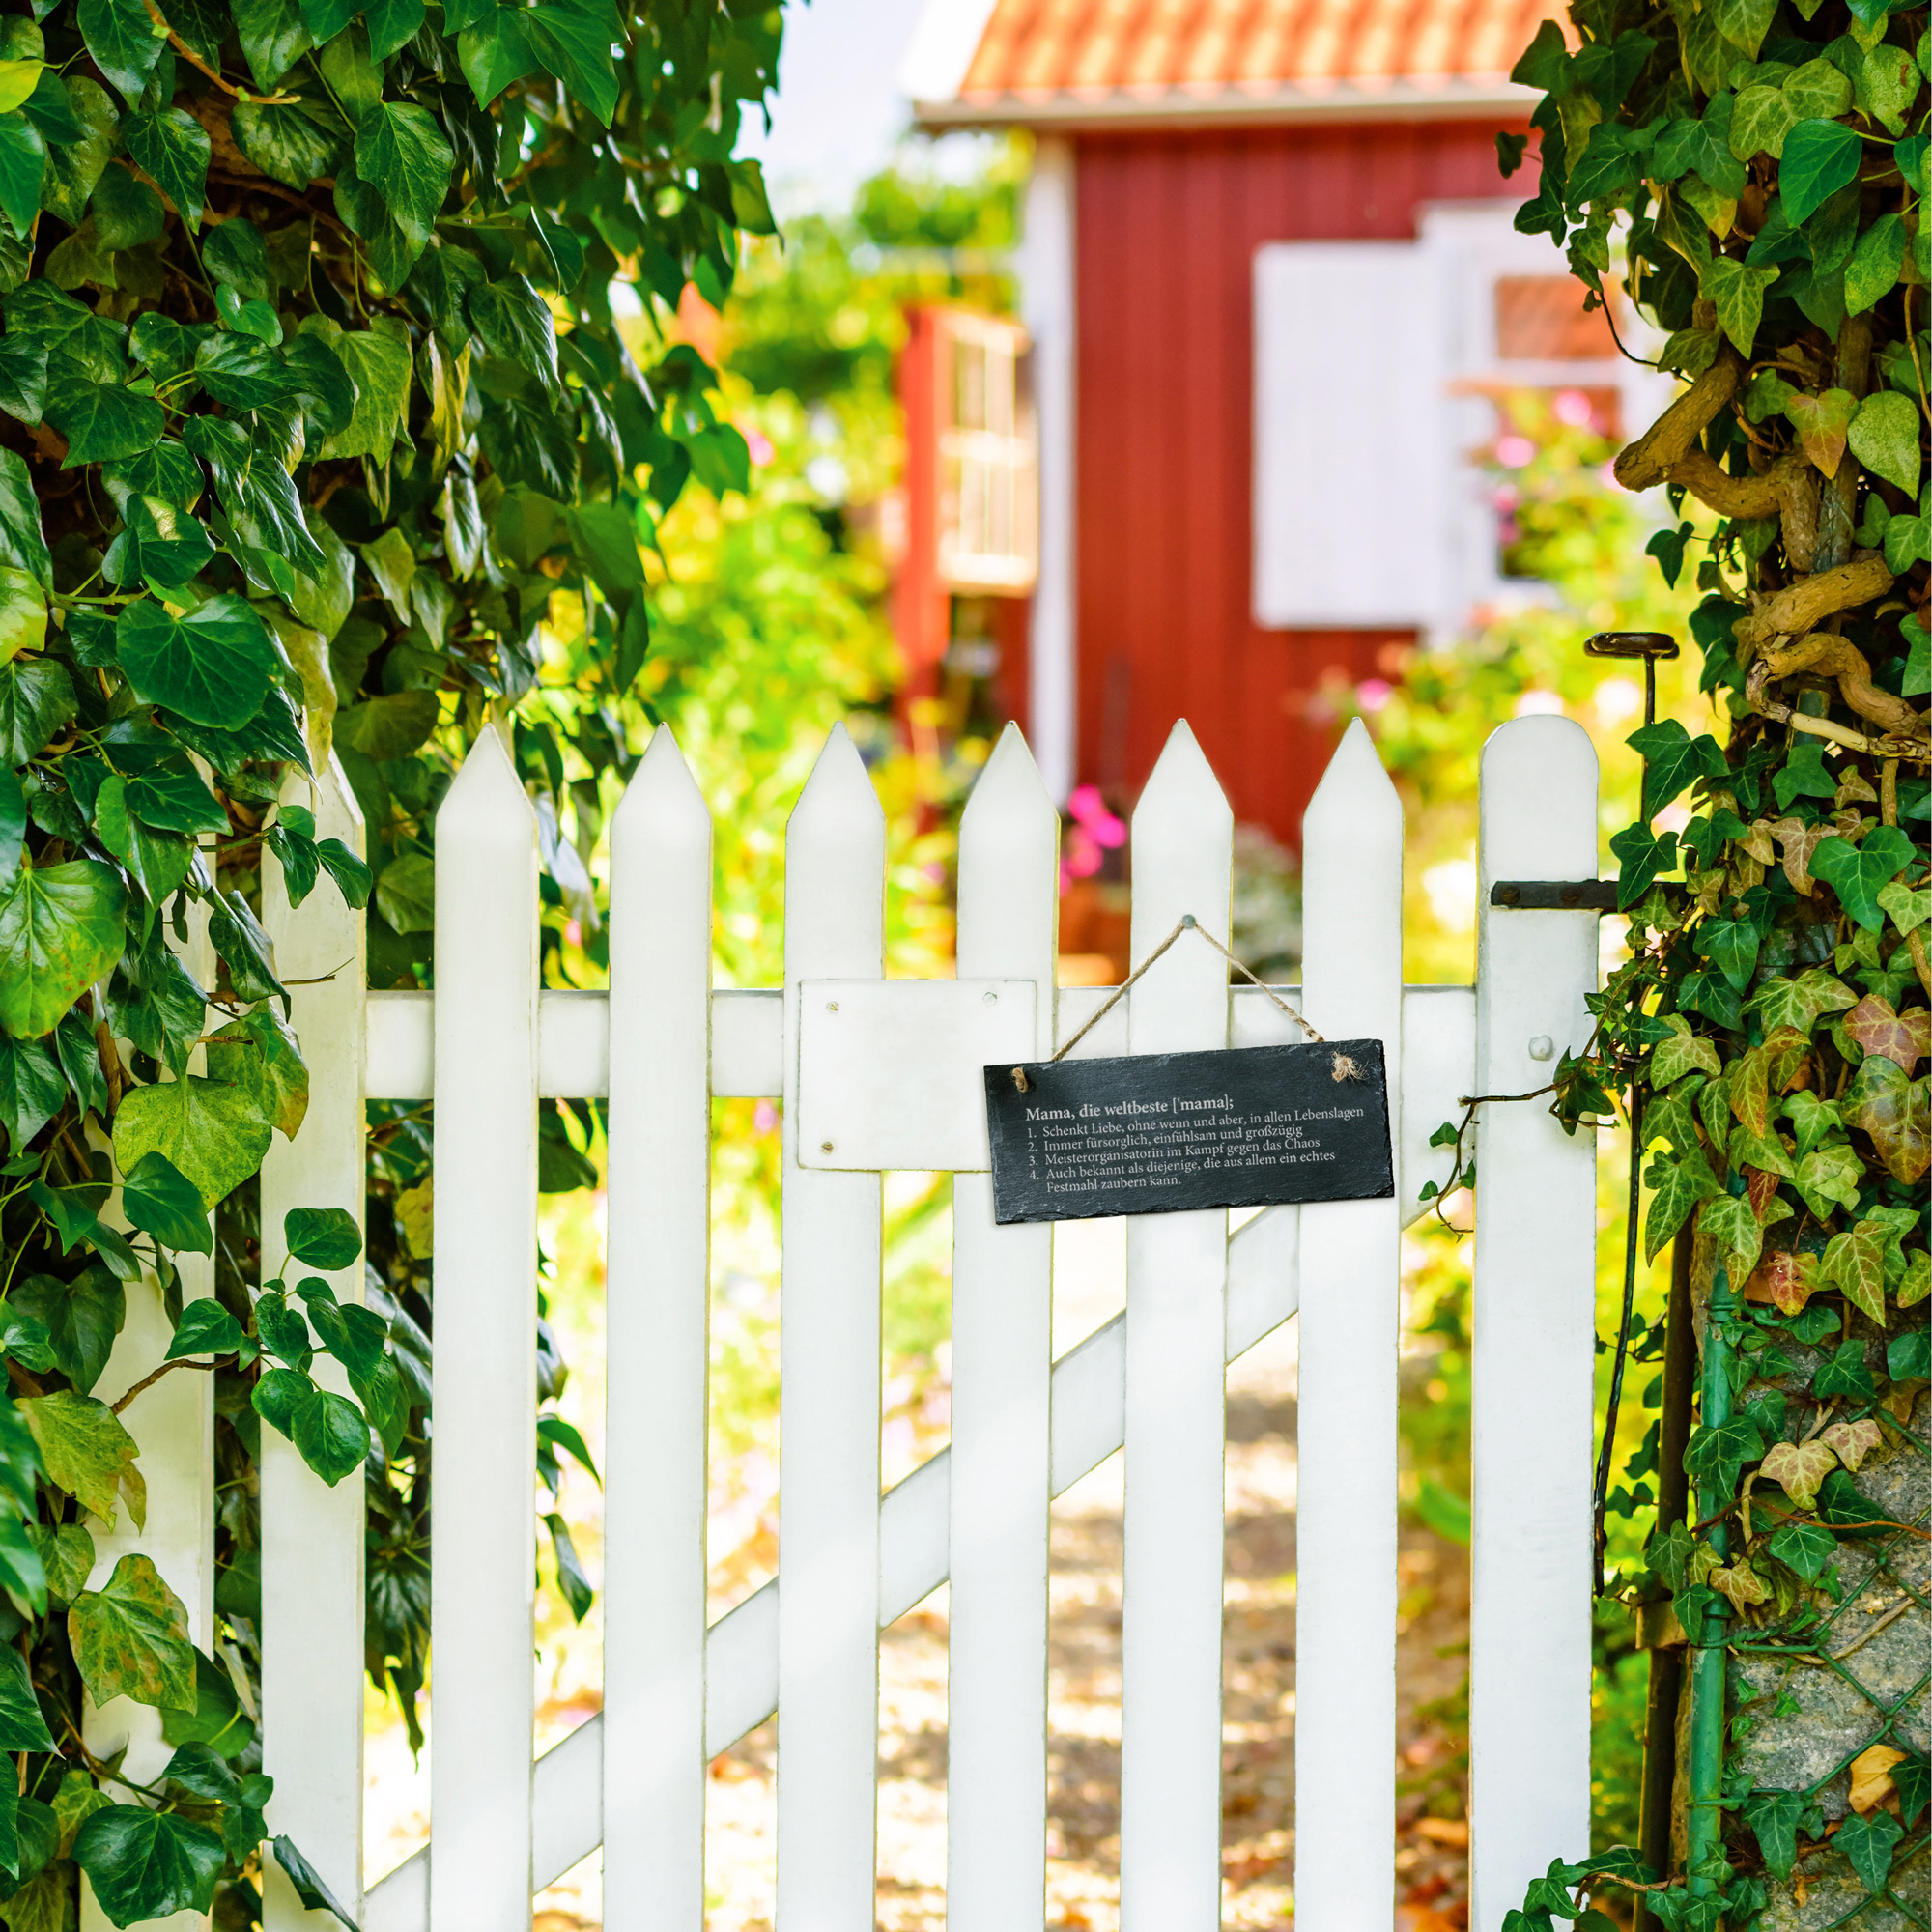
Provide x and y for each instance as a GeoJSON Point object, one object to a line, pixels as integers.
{"type": "Point", "coordinates": [1074, 60]}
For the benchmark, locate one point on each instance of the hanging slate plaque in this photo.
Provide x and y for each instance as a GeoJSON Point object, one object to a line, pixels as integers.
{"type": "Point", "coordinates": [1162, 1133]}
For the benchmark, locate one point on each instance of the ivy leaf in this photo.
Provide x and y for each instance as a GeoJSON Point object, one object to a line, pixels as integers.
{"type": "Point", "coordinates": [322, 1238]}
{"type": "Point", "coordinates": [307, 1882]}
{"type": "Point", "coordinates": [1684, 1052]}
{"type": "Point", "coordinates": [1869, 1843]}
{"type": "Point", "coordinates": [527, 442]}
{"type": "Point", "coordinates": [32, 1090]}
{"type": "Point", "coordinates": [1858, 873]}
{"type": "Point", "coordinates": [495, 51]}
{"type": "Point", "coordinates": [1731, 945]}
{"type": "Point", "coordinates": [1773, 1815]}
{"type": "Point", "coordinates": [206, 1328]}
{"type": "Point", "coordinates": [157, 861]}
{"type": "Point", "coordinates": [144, 1864]}
{"type": "Point", "coordinates": [514, 323]}
{"type": "Point", "coordinates": [1672, 760]}
{"type": "Point", "coordinates": [86, 1452]}
{"type": "Point", "coordinates": [172, 148]}
{"type": "Point", "coordinates": [1805, 1548]}
{"type": "Point", "coordinates": [1876, 262]}
{"type": "Point", "coordinates": [1891, 1109]}
{"type": "Point", "coordinates": [1761, 121]}
{"type": "Point", "coordinates": [1642, 856]}
{"type": "Point", "coordinates": [21, 541]}
{"type": "Point", "coordinates": [1822, 423]}
{"type": "Point", "coordinates": [1885, 439]}
{"type": "Point", "coordinates": [1798, 1468]}
{"type": "Point", "coordinates": [331, 1435]}
{"type": "Point", "coordinates": [1731, 1222]}
{"type": "Point", "coordinates": [214, 1135]}
{"type": "Point", "coordinates": [1801, 1002]}
{"type": "Point", "coordinates": [60, 931]}
{"type": "Point", "coordinates": [212, 666]}
{"type": "Point", "coordinates": [401, 153]}
{"type": "Point", "coordinates": [81, 1317]}
{"type": "Point", "coordinates": [1820, 157]}
{"type": "Point", "coordinates": [290, 145]}
{"type": "Point", "coordinates": [379, 367]}
{"type": "Point", "coordinates": [22, 1727]}
{"type": "Point", "coordinates": [1676, 1188]}
{"type": "Point", "coordinates": [102, 421]}
{"type": "Point", "coordinates": [1829, 1176]}
{"type": "Point", "coordinates": [1906, 1037]}
{"type": "Point", "coordinates": [125, 40]}
{"type": "Point", "coordinates": [1845, 1374]}
{"type": "Point", "coordinates": [159, 1200]}
{"type": "Point", "coordinates": [274, 37]}
{"type": "Point", "coordinates": [574, 42]}
{"type": "Point", "coordinates": [1716, 1454]}
{"type": "Point", "coordinates": [1737, 291]}
{"type": "Point", "coordinates": [260, 1055]}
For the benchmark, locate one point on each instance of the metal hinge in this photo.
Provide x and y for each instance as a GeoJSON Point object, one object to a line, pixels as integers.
{"type": "Point", "coordinates": [1555, 894]}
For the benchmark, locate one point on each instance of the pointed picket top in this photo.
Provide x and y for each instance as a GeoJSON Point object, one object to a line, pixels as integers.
{"type": "Point", "coordinates": [838, 800]}
{"type": "Point", "coordinates": [1183, 833]}
{"type": "Point", "coordinates": [487, 798]}
{"type": "Point", "coordinates": [835, 869]}
{"type": "Point", "coordinates": [1539, 802]}
{"type": "Point", "coordinates": [1008, 869]}
{"type": "Point", "coordinates": [662, 804]}
{"type": "Point", "coordinates": [338, 813]}
{"type": "Point", "coordinates": [1356, 794]}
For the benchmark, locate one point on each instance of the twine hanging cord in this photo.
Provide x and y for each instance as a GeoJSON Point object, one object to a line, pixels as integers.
{"type": "Point", "coordinates": [1341, 1067]}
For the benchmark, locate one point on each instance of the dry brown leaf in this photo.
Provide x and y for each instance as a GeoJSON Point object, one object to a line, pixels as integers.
{"type": "Point", "coordinates": [1871, 1777]}
{"type": "Point", "coordinates": [1451, 1832]}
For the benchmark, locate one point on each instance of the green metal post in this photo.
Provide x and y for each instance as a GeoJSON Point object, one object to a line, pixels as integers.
{"type": "Point", "coordinates": [1705, 1821]}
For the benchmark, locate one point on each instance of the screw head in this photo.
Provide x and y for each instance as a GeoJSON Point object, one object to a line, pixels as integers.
{"type": "Point", "coordinates": [990, 999]}
{"type": "Point", "coordinates": [825, 1147]}
{"type": "Point", "coordinates": [832, 1005]}
{"type": "Point", "coordinates": [1542, 1047]}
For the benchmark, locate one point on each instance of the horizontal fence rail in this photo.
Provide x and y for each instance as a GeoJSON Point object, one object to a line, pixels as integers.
{"type": "Point", "coordinates": [880, 1074]}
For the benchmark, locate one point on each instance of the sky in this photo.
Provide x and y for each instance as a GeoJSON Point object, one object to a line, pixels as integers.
{"type": "Point", "coordinates": [839, 112]}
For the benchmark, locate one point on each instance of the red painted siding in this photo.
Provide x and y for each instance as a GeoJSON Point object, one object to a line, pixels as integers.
{"type": "Point", "coordinates": [1168, 224]}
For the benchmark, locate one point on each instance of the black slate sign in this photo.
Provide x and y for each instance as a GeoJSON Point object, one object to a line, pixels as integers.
{"type": "Point", "coordinates": [1162, 1133]}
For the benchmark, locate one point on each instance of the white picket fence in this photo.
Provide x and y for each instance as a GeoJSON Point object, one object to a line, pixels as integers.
{"type": "Point", "coordinates": [881, 1074]}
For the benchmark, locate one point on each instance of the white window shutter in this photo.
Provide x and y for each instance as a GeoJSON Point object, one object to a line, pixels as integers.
{"type": "Point", "coordinates": [1350, 521]}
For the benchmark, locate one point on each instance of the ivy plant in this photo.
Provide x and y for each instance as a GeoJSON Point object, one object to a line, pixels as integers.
{"type": "Point", "coordinates": [313, 397]}
{"type": "Point", "coordinates": [1752, 176]}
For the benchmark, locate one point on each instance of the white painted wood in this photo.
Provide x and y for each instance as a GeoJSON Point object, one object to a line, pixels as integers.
{"type": "Point", "coordinates": [1534, 1331]}
{"type": "Point", "coordinates": [1176, 1389]}
{"type": "Point", "coordinates": [741, 1647]}
{"type": "Point", "coordinates": [311, 1534]}
{"type": "Point", "coordinates": [1348, 406]}
{"type": "Point", "coordinates": [173, 1425]}
{"type": "Point", "coordinates": [657, 1328]}
{"type": "Point", "coordinates": [1048, 304]}
{"type": "Point", "coordinates": [1002, 1378]}
{"type": "Point", "coordinates": [892, 1072]}
{"type": "Point", "coordinates": [747, 1045]}
{"type": "Point", "coordinates": [1346, 1442]}
{"type": "Point", "coordinates": [829, 1395]}
{"type": "Point", "coordinates": [482, 1591]}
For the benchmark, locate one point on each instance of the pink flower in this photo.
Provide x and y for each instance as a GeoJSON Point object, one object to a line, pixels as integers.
{"type": "Point", "coordinates": [764, 1117]}
{"type": "Point", "coordinates": [1089, 811]}
{"type": "Point", "coordinates": [1371, 694]}
{"type": "Point", "coordinates": [1574, 406]}
{"type": "Point", "coordinates": [760, 446]}
{"type": "Point", "coordinates": [1514, 451]}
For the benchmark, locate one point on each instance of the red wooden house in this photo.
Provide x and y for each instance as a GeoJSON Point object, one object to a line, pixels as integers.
{"type": "Point", "coordinates": [1268, 265]}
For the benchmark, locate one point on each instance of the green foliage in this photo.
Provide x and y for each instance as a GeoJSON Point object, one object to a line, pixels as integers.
{"type": "Point", "coordinates": [312, 404]}
{"type": "Point", "coordinates": [1763, 162]}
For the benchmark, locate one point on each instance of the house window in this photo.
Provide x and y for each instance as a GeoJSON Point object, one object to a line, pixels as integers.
{"type": "Point", "coordinates": [1541, 319]}
{"type": "Point", "coordinates": [988, 520]}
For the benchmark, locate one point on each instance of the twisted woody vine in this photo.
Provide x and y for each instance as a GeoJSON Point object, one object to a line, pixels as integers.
{"type": "Point", "coordinates": [1753, 173]}
{"type": "Point", "coordinates": [311, 401]}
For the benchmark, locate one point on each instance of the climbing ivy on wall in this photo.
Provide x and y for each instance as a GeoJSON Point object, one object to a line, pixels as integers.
{"type": "Point", "coordinates": [1754, 174]}
{"type": "Point", "coordinates": [313, 400]}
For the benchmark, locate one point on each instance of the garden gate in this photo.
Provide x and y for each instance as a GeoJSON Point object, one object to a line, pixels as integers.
{"type": "Point", "coordinates": [877, 1074]}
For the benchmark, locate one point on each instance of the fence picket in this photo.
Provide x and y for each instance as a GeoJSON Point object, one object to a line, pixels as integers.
{"type": "Point", "coordinates": [829, 1392]}
{"type": "Point", "coordinates": [1534, 1330]}
{"type": "Point", "coordinates": [656, 1350]}
{"type": "Point", "coordinates": [173, 1422]}
{"type": "Point", "coordinates": [1346, 1436]}
{"type": "Point", "coordinates": [1002, 1375]}
{"type": "Point", "coordinates": [312, 1534]}
{"type": "Point", "coordinates": [482, 1592]}
{"type": "Point", "coordinates": [1176, 1391]}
